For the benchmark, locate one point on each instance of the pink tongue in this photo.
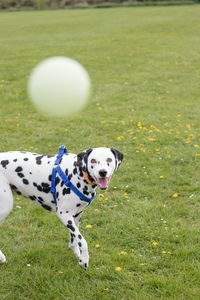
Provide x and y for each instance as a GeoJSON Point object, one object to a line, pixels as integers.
{"type": "Point", "coordinates": [103, 182]}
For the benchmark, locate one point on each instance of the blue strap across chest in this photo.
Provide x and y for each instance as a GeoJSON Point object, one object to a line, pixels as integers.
{"type": "Point", "coordinates": [57, 170]}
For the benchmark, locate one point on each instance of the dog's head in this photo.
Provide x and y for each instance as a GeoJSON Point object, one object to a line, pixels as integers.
{"type": "Point", "coordinates": [100, 164]}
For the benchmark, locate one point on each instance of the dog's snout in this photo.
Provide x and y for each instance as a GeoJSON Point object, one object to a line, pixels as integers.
{"type": "Point", "coordinates": [103, 173]}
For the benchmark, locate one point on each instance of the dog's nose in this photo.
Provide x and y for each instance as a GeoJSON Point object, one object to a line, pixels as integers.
{"type": "Point", "coordinates": [103, 173]}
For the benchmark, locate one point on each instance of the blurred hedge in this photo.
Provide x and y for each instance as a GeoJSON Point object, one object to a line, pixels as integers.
{"type": "Point", "coordinates": [42, 4]}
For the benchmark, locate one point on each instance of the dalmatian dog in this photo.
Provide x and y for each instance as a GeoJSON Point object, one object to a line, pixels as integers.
{"type": "Point", "coordinates": [30, 175]}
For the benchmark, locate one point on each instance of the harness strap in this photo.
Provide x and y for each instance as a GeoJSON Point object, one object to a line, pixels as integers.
{"type": "Point", "coordinates": [57, 170]}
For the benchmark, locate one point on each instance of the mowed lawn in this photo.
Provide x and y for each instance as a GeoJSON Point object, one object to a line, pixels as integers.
{"type": "Point", "coordinates": [143, 233]}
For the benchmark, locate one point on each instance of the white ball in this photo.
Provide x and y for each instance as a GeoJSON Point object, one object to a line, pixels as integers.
{"type": "Point", "coordinates": [59, 86]}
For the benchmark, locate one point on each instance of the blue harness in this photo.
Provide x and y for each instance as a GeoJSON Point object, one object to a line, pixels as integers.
{"type": "Point", "coordinates": [57, 170]}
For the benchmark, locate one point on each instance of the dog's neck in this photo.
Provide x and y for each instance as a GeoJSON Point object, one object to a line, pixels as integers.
{"type": "Point", "coordinates": [88, 178]}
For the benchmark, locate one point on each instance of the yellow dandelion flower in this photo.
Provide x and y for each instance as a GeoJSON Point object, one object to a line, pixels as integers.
{"type": "Point", "coordinates": [88, 226]}
{"type": "Point", "coordinates": [97, 246]}
{"type": "Point", "coordinates": [126, 195]}
{"type": "Point", "coordinates": [123, 253]}
{"type": "Point", "coordinates": [102, 196]}
{"type": "Point", "coordinates": [139, 125]}
{"type": "Point", "coordinates": [164, 252]}
{"type": "Point", "coordinates": [189, 127]}
{"type": "Point", "coordinates": [188, 140]}
{"type": "Point", "coordinates": [60, 272]}
{"type": "Point", "coordinates": [152, 139]}
{"type": "Point", "coordinates": [141, 148]}
{"type": "Point", "coordinates": [154, 244]}
{"type": "Point", "coordinates": [118, 269]}
{"type": "Point", "coordinates": [143, 264]}
{"type": "Point", "coordinates": [162, 177]}
{"type": "Point", "coordinates": [120, 138]}
{"type": "Point", "coordinates": [130, 131]}
{"type": "Point", "coordinates": [175, 195]}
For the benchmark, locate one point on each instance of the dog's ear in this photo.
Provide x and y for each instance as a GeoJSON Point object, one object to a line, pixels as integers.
{"type": "Point", "coordinates": [82, 159]}
{"type": "Point", "coordinates": [118, 157]}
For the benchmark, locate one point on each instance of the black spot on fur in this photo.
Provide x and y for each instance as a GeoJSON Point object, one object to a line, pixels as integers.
{"type": "Point", "coordinates": [4, 163]}
{"type": "Point", "coordinates": [79, 204]}
{"type": "Point", "coordinates": [39, 188]}
{"type": "Point", "coordinates": [21, 175]}
{"type": "Point", "coordinates": [72, 237]}
{"type": "Point", "coordinates": [15, 160]}
{"type": "Point", "coordinates": [32, 198]}
{"type": "Point", "coordinates": [39, 159]}
{"type": "Point", "coordinates": [85, 192]}
{"type": "Point", "coordinates": [57, 180]}
{"type": "Point", "coordinates": [46, 187]}
{"type": "Point", "coordinates": [62, 183]}
{"type": "Point", "coordinates": [25, 159]}
{"type": "Point", "coordinates": [75, 171]}
{"type": "Point", "coordinates": [69, 222]}
{"type": "Point", "coordinates": [18, 169]}
{"type": "Point", "coordinates": [47, 207]}
{"type": "Point", "coordinates": [51, 155]}
{"type": "Point", "coordinates": [25, 181]}
{"type": "Point", "coordinates": [76, 215]}
{"type": "Point", "coordinates": [40, 199]}
{"type": "Point", "coordinates": [71, 227]}
{"type": "Point", "coordinates": [66, 172]}
{"type": "Point", "coordinates": [50, 177]}
{"type": "Point", "coordinates": [13, 187]}
{"type": "Point", "coordinates": [66, 191]}
{"type": "Point", "coordinates": [80, 237]}
{"type": "Point", "coordinates": [78, 185]}
{"type": "Point", "coordinates": [70, 176]}
{"type": "Point", "coordinates": [79, 243]}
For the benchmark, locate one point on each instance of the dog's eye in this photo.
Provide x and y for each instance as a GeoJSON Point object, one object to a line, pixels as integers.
{"type": "Point", "coordinates": [109, 160]}
{"type": "Point", "coordinates": [93, 161]}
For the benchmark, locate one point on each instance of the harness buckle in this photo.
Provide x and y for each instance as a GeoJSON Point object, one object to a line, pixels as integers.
{"type": "Point", "coordinates": [62, 151]}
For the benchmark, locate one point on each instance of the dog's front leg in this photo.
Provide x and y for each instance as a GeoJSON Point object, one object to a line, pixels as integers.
{"type": "Point", "coordinates": [73, 243]}
{"type": "Point", "coordinates": [78, 243]}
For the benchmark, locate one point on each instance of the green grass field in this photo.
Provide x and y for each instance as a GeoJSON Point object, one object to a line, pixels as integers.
{"type": "Point", "coordinates": [145, 68]}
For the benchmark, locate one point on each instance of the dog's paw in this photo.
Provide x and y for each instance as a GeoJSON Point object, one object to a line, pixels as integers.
{"type": "Point", "coordinates": [84, 265]}
{"type": "Point", "coordinates": [2, 258]}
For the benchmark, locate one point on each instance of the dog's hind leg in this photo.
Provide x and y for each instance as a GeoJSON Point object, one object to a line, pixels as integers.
{"type": "Point", "coordinates": [6, 204]}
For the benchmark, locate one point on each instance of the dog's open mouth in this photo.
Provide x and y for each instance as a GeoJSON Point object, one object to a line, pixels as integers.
{"type": "Point", "coordinates": [103, 182]}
